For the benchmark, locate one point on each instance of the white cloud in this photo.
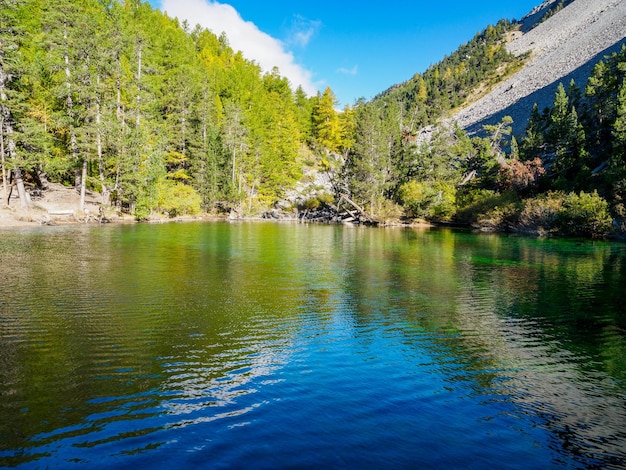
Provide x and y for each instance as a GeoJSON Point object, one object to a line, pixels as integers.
{"type": "Point", "coordinates": [302, 30]}
{"type": "Point", "coordinates": [243, 36]}
{"type": "Point", "coordinates": [353, 71]}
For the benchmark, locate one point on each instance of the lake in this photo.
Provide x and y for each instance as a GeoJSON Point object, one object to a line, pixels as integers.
{"type": "Point", "coordinates": [254, 345]}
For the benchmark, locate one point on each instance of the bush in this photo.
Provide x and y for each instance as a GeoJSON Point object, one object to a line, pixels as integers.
{"type": "Point", "coordinates": [501, 217]}
{"type": "Point", "coordinates": [570, 214]}
{"type": "Point", "coordinates": [385, 211]}
{"type": "Point", "coordinates": [539, 215]}
{"type": "Point", "coordinates": [586, 215]}
{"type": "Point", "coordinates": [428, 200]}
{"type": "Point", "coordinates": [142, 210]}
{"type": "Point", "coordinates": [326, 198]}
{"type": "Point", "coordinates": [311, 204]}
{"type": "Point", "coordinates": [415, 197]}
{"type": "Point", "coordinates": [178, 199]}
{"type": "Point", "coordinates": [321, 200]}
{"type": "Point", "coordinates": [478, 205]}
{"type": "Point", "coordinates": [444, 203]}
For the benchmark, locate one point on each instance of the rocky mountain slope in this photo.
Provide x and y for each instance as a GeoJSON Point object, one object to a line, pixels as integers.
{"type": "Point", "coordinates": [567, 45]}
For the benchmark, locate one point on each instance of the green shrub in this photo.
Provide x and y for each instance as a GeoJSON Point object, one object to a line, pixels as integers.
{"type": "Point", "coordinates": [586, 215]}
{"type": "Point", "coordinates": [326, 198]}
{"type": "Point", "coordinates": [540, 215]}
{"type": "Point", "coordinates": [385, 211]}
{"type": "Point", "coordinates": [321, 200]}
{"type": "Point", "coordinates": [428, 200]}
{"type": "Point", "coordinates": [311, 204]}
{"type": "Point", "coordinates": [443, 206]}
{"type": "Point", "coordinates": [142, 210]}
{"type": "Point", "coordinates": [502, 217]}
{"type": "Point", "coordinates": [178, 199]}
{"type": "Point", "coordinates": [570, 214]}
{"type": "Point", "coordinates": [414, 196]}
{"type": "Point", "coordinates": [475, 206]}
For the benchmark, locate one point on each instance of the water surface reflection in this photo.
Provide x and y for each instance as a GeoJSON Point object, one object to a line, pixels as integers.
{"type": "Point", "coordinates": [231, 345]}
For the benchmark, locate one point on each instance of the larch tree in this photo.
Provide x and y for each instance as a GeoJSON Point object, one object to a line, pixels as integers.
{"type": "Point", "coordinates": [235, 135]}
{"type": "Point", "coordinates": [280, 137]}
{"type": "Point", "coordinates": [368, 168]}
{"type": "Point", "coordinates": [10, 37]}
{"type": "Point", "coordinates": [326, 124]}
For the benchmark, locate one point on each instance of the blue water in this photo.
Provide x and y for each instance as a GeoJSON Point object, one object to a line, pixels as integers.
{"type": "Point", "coordinates": [294, 346]}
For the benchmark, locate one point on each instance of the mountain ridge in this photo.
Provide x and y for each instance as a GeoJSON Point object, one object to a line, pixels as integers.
{"type": "Point", "coordinates": [565, 46]}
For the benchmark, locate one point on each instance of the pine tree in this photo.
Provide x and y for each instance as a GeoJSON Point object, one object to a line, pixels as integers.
{"type": "Point", "coordinates": [12, 35]}
{"type": "Point", "coordinates": [619, 129]}
{"type": "Point", "coordinates": [566, 143]}
{"type": "Point", "coordinates": [533, 140]}
{"type": "Point", "coordinates": [369, 171]}
{"type": "Point", "coordinates": [280, 139]}
{"type": "Point", "coordinates": [559, 130]}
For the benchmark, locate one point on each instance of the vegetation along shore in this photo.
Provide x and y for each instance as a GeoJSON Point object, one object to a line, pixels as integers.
{"type": "Point", "coordinates": [115, 111]}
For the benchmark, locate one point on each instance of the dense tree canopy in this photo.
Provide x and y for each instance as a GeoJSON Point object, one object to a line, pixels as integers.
{"type": "Point", "coordinates": [571, 154]}
{"type": "Point", "coordinates": [159, 116]}
{"type": "Point", "coordinates": [118, 97]}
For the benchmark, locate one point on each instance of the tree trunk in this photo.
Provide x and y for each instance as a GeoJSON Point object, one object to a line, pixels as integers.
{"type": "Point", "coordinates": [234, 157]}
{"type": "Point", "coordinates": [83, 185]}
{"type": "Point", "coordinates": [121, 121]}
{"type": "Point", "coordinates": [4, 164]}
{"type": "Point", "coordinates": [21, 190]}
{"type": "Point", "coordinates": [183, 125]}
{"type": "Point", "coordinates": [138, 116]}
{"type": "Point", "coordinates": [5, 124]}
{"type": "Point", "coordinates": [70, 103]}
{"type": "Point", "coordinates": [105, 190]}
{"type": "Point", "coordinates": [3, 115]}
{"type": "Point", "coordinates": [42, 178]}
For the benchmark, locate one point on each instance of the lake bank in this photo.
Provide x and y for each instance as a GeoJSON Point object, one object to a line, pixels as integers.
{"type": "Point", "coordinates": [58, 205]}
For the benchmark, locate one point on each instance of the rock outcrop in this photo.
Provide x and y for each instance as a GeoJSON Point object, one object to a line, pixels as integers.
{"type": "Point", "coordinates": [566, 46]}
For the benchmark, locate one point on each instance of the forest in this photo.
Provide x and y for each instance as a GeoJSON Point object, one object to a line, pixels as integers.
{"type": "Point", "coordinates": [162, 117]}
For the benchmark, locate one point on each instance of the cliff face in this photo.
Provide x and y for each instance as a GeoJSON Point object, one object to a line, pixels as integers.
{"type": "Point", "coordinates": [567, 45]}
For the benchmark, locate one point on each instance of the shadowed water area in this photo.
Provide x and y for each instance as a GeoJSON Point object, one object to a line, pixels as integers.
{"type": "Point", "coordinates": [267, 345]}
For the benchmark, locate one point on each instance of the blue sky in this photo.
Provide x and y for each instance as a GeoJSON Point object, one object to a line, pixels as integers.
{"type": "Point", "coordinates": [359, 50]}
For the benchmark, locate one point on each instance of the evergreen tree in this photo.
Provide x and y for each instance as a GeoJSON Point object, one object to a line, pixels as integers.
{"type": "Point", "coordinates": [12, 34]}
{"type": "Point", "coordinates": [617, 166]}
{"type": "Point", "coordinates": [619, 128]}
{"type": "Point", "coordinates": [533, 139]}
{"type": "Point", "coordinates": [304, 105]}
{"type": "Point", "coordinates": [326, 124]}
{"type": "Point", "coordinates": [235, 141]}
{"type": "Point", "coordinates": [368, 172]}
{"type": "Point", "coordinates": [566, 139]}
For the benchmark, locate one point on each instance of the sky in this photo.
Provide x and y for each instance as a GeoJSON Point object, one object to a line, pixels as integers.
{"type": "Point", "coordinates": [358, 49]}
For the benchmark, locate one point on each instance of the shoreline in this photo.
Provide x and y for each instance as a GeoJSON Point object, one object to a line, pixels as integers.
{"type": "Point", "coordinates": [12, 218]}
{"type": "Point", "coordinates": [16, 219]}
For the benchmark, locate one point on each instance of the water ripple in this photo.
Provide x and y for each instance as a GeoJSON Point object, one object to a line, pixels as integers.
{"type": "Point", "coordinates": [234, 346]}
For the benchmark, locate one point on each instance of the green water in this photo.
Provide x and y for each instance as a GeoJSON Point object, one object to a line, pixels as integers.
{"type": "Point", "coordinates": [268, 345]}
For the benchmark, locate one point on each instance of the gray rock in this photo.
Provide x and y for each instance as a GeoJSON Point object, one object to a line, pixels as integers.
{"type": "Point", "coordinates": [565, 46]}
